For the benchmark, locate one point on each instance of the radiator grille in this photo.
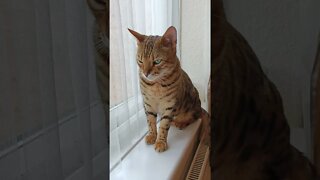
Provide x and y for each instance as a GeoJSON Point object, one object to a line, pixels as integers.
{"type": "Point", "coordinates": [199, 163]}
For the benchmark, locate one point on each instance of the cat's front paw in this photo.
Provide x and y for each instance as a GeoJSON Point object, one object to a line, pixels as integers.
{"type": "Point", "coordinates": [150, 138]}
{"type": "Point", "coordinates": [160, 146]}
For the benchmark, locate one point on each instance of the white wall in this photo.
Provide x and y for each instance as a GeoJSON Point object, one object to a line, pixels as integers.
{"type": "Point", "coordinates": [195, 43]}
{"type": "Point", "coordinates": [284, 36]}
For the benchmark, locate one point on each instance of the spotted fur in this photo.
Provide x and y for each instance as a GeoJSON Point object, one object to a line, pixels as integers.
{"type": "Point", "coordinates": [250, 133]}
{"type": "Point", "coordinates": [167, 90]}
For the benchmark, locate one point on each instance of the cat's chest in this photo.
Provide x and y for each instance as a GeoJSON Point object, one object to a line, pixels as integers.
{"type": "Point", "coordinates": [156, 97]}
{"type": "Point", "coordinates": [155, 91]}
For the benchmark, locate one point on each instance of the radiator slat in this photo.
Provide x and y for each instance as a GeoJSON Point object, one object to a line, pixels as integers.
{"type": "Point", "coordinates": [199, 163]}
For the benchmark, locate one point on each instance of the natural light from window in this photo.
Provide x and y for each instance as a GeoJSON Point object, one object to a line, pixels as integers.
{"type": "Point", "coordinates": [127, 117]}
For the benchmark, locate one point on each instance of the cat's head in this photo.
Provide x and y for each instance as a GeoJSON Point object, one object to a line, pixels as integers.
{"type": "Point", "coordinates": [156, 55]}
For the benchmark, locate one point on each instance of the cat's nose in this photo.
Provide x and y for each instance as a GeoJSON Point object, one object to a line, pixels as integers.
{"type": "Point", "coordinates": [147, 73]}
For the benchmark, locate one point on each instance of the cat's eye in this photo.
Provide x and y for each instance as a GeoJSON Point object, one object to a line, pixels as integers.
{"type": "Point", "coordinates": [140, 61]}
{"type": "Point", "coordinates": [158, 61]}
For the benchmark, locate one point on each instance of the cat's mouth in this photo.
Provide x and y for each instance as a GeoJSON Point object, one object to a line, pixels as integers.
{"type": "Point", "coordinates": [157, 77]}
{"type": "Point", "coordinates": [150, 77]}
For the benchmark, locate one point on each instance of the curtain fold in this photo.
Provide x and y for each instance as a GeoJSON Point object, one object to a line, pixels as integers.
{"type": "Point", "coordinates": [127, 117]}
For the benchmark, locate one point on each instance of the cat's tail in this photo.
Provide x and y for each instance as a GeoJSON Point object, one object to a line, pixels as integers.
{"type": "Point", "coordinates": [218, 9]}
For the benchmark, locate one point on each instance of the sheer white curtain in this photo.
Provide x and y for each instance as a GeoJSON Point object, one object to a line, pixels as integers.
{"type": "Point", "coordinates": [127, 117]}
{"type": "Point", "coordinates": [52, 124]}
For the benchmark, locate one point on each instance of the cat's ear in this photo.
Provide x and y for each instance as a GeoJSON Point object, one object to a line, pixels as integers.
{"type": "Point", "coordinates": [169, 38]}
{"type": "Point", "coordinates": [140, 38]}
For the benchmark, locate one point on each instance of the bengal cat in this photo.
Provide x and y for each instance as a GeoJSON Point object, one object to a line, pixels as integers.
{"type": "Point", "coordinates": [166, 89]}
{"type": "Point", "coordinates": [250, 134]}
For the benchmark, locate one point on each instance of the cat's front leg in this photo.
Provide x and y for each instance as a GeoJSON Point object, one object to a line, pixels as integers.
{"type": "Point", "coordinates": [152, 126]}
{"type": "Point", "coordinates": [161, 143]}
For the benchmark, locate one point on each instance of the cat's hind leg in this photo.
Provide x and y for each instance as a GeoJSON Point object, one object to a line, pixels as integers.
{"type": "Point", "coordinates": [183, 120]}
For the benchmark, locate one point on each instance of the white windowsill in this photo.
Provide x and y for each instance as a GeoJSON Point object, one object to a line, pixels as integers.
{"type": "Point", "coordinates": [144, 163]}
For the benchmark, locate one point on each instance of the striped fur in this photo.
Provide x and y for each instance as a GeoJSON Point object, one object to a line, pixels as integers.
{"type": "Point", "coordinates": [250, 133]}
{"type": "Point", "coordinates": [167, 90]}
